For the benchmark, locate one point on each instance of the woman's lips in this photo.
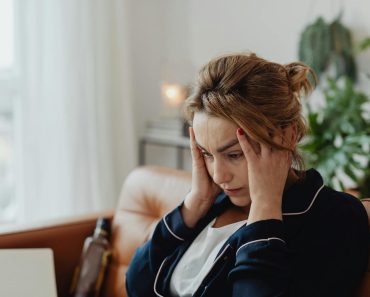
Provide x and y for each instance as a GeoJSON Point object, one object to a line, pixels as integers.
{"type": "Point", "coordinates": [232, 191]}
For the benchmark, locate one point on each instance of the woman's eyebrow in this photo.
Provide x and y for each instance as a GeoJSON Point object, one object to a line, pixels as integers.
{"type": "Point", "coordinates": [222, 148]}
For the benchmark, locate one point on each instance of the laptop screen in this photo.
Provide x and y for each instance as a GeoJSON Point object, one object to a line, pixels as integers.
{"type": "Point", "coordinates": [27, 272]}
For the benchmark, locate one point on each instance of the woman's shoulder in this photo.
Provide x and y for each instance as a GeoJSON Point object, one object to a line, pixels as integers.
{"type": "Point", "coordinates": [341, 206]}
{"type": "Point", "coordinates": [339, 198]}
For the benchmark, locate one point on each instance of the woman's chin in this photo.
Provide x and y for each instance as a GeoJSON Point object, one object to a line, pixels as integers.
{"type": "Point", "coordinates": [240, 201]}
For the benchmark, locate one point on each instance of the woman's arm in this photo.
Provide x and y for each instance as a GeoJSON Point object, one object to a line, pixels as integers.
{"type": "Point", "coordinates": [328, 258]}
{"type": "Point", "coordinates": [203, 189]}
{"type": "Point", "coordinates": [262, 257]}
{"type": "Point", "coordinates": [175, 228]}
{"type": "Point", "coordinates": [170, 233]}
{"type": "Point", "coordinates": [262, 265]}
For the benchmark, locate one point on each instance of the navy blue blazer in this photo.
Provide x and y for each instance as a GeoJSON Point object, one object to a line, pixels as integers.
{"type": "Point", "coordinates": [319, 249]}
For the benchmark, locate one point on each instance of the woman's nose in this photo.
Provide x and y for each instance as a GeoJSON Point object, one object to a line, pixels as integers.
{"type": "Point", "coordinates": [221, 173]}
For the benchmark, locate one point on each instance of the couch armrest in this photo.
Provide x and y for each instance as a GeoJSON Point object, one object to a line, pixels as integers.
{"type": "Point", "coordinates": [65, 237]}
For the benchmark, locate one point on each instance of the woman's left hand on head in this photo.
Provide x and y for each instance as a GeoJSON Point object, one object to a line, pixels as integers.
{"type": "Point", "coordinates": [267, 175]}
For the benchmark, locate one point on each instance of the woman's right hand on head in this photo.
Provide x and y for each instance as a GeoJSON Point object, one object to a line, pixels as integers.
{"type": "Point", "coordinates": [203, 190]}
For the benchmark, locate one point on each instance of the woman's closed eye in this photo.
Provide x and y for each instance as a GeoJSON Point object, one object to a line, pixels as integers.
{"type": "Point", "coordinates": [235, 155]}
{"type": "Point", "coordinates": [230, 156]}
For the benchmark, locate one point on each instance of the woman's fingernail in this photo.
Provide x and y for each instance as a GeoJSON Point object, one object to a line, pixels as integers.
{"type": "Point", "coordinates": [240, 131]}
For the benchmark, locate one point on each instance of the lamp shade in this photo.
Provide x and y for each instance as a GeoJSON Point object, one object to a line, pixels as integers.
{"type": "Point", "coordinates": [173, 94]}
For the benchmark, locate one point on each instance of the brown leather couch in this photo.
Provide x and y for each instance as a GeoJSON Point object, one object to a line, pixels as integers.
{"type": "Point", "coordinates": [147, 194]}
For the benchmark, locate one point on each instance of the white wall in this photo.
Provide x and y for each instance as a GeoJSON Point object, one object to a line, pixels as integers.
{"type": "Point", "coordinates": [181, 35]}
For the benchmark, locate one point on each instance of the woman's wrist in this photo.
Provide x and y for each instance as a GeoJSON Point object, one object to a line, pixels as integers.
{"type": "Point", "coordinates": [268, 210]}
{"type": "Point", "coordinates": [193, 210]}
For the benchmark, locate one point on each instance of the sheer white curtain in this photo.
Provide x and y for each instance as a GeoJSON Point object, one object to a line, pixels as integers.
{"type": "Point", "coordinates": [77, 140]}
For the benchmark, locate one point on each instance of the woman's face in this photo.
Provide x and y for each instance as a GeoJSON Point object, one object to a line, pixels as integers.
{"type": "Point", "coordinates": [223, 156]}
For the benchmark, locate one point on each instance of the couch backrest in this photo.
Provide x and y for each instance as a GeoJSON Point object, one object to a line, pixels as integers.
{"type": "Point", "coordinates": [147, 195]}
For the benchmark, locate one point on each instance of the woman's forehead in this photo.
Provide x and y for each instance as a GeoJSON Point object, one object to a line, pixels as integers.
{"type": "Point", "coordinates": [203, 121]}
{"type": "Point", "coordinates": [212, 133]}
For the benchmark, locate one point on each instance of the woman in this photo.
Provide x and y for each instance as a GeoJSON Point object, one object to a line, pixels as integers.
{"type": "Point", "coordinates": [254, 223]}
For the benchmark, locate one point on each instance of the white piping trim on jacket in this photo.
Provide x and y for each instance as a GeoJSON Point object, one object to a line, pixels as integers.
{"type": "Point", "coordinates": [258, 240]}
{"type": "Point", "coordinates": [308, 208]}
{"type": "Point", "coordinates": [214, 263]}
{"type": "Point", "coordinates": [217, 258]}
{"type": "Point", "coordinates": [156, 279]}
{"type": "Point", "coordinates": [174, 235]}
{"type": "Point", "coordinates": [220, 255]}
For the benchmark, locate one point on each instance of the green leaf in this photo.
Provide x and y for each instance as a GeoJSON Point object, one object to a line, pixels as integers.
{"type": "Point", "coordinates": [364, 44]}
{"type": "Point", "coordinates": [340, 118]}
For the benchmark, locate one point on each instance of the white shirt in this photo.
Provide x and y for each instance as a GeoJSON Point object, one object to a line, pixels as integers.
{"type": "Point", "coordinates": [198, 259]}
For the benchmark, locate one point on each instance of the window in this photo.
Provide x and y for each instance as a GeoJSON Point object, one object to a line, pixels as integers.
{"type": "Point", "coordinates": [7, 111]}
{"type": "Point", "coordinates": [6, 35]}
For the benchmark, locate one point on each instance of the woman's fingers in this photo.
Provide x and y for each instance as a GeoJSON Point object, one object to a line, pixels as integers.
{"type": "Point", "coordinates": [193, 146]}
{"type": "Point", "coordinates": [203, 188]}
{"type": "Point", "coordinates": [248, 150]}
{"type": "Point", "coordinates": [254, 150]}
{"type": "Point", "coordinates": [195, 152]}
{"type": "Point", "coordinates": [266, 150]}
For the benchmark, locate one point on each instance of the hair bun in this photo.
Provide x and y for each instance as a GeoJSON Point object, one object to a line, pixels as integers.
{"type": "Point", "coordinates": [300, 77]}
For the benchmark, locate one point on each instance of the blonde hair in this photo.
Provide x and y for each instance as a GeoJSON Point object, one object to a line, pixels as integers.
{"type": "Point", "coordinates": [257, 95]}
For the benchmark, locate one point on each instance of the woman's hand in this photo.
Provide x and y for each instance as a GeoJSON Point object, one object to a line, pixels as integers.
{"type": "Point", "coordinates": [267, 175]}
{"type": "Point", "coordinates": [203, 190]}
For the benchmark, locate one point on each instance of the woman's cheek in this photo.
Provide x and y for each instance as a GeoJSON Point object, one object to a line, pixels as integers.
{"type": "Point", "coordinates": [242, 166]}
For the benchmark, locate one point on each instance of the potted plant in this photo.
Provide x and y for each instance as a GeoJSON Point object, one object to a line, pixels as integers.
{"type": "Point", "coordinates": [339, 137]}
{"type": "Point", "coordinates": [338, 142]}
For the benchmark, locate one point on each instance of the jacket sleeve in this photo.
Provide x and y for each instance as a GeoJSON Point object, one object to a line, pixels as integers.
{"type": "Point", "coordinates": [261, 266]}
{"type": "Point", "coordinates": [340, 248]}
{"type": "Point", "coordinates": [169, 234]}
{"type": "Point", "coordinates": [330, 258]}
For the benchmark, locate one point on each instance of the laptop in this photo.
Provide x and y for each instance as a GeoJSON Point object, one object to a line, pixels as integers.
{"type": "Point", "coordinates": [27, 272]}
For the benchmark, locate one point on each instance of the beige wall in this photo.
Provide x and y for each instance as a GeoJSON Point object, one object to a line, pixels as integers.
{"type": "Point", "coordinates": [178, 36]}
